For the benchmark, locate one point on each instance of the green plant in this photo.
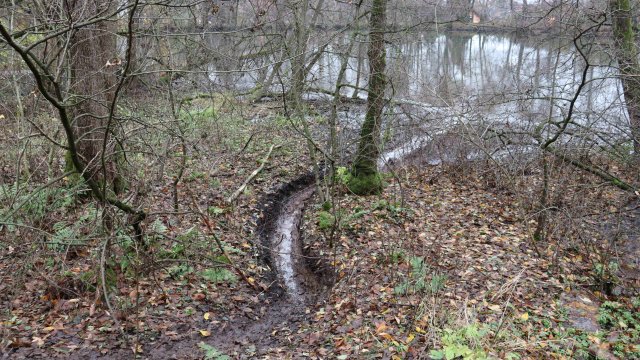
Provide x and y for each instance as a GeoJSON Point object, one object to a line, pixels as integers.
{"type": "Point", "coordinates": [180, 270]}
{"type": "Point", "coordinates": [154, 236]}
{"type": "Point", "coordinates": [215, 183]}
{"type": "Point", "coordinates": [417, 280]}
{"type": "Point", "coordinates": [437, 283]}
{"type": "Point", "coordinates": [394, 211]}
{"type": "Point", "coordinates": [380, 205]}
{"type": "Point", "coordinates": [342, 175]}
{"type": "Point", "coordinates": [326, 220]}
{"type": "Point", "coordinates": [176, 251]}
{"type": "Point", "coordinates": [464, 342]}
{"type": "Point", "coordinates": [195, 119]}
{"type": "Point", "coordinates": [605, 276]}
{"type": "Point", "coordinates": [190, 236]}
{"type": "Point", "coordinates": [195, 175]}
{"type": "Point", "coordinates": [211, 353]}
{"type": "Point", "coordinates": [229, 249]}
{"type": "Point", "coordinates": [357, 214]}
{"type": "Point", "coordinates": [218, 275]}
{"type": "Point", "coordinates": [623, 320]}
{"type": "Point", "coordinates": [281, 121]}
{"type": "Point", "coordinates": [397, 256]}
{"type": "Point", "coordinates": [158, 227]}
{"type": "Point", "coordinates": [63, 236]}
{"type": "Point", "coordinates": [215, 211]}
{"type": "Point", "coordinates": [34, 206]}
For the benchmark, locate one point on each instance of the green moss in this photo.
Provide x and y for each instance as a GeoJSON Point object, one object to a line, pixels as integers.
{"type": "Point", "coordinates": [325, 220]}
{"type": "Point", "coordinates": [365, 184]}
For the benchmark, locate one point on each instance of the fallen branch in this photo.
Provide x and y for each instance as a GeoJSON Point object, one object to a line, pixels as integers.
{"type": "Point", "coordinates": [613, 180]}
{"type": "Point", "coordinates": [253, 175]}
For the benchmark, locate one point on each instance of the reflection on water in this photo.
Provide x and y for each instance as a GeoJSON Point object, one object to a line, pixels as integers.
{"type": "Point", "coordinates": [475, 77]}
{"type": "Point", "coordinates": [446, 68]}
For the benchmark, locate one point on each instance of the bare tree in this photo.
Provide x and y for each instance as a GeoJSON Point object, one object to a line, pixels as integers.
{"type": "Point", "coordinates": [74, 65]}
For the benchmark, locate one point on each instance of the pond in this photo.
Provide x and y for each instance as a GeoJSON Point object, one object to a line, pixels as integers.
{"type": "Point", "coordinates": [443, 79]}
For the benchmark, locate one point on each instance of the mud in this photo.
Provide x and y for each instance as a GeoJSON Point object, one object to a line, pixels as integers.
{"type": "Point", "coordinates": [282, 243]}
{"type": "Point", "coordinates": [286, 244]}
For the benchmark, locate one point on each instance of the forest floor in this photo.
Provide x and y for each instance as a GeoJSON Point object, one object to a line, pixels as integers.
{"type": "Point", "coordinates": [441, 264]}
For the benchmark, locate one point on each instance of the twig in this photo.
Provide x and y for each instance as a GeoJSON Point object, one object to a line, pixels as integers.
{"type": "Point", "coordinates": [253, 174]}
{"type": "Point", "coordinates": [246, 144]}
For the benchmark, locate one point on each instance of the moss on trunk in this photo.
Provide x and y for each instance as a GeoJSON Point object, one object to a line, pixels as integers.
{"type": "Point", "coordinates": [365, 178]}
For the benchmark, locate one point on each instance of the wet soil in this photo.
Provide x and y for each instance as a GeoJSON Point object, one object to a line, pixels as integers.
{"type": "Point", "coordinates": [295, 272]}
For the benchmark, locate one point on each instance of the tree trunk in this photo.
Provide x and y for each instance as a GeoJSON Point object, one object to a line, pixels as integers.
{"type": "Point", "coordinates": [627, 56]}
{"type": "Point", "coordinates": [93, 67]}
{"type": "Point", "coordinates": [365, 178]}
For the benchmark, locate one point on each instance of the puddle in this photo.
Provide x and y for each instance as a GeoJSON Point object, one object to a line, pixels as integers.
{"type": "Point", "coordinates": [287, 250]}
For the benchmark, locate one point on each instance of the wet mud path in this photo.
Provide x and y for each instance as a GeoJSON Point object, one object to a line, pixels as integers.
{"type": "Point", "coordinates": [282, 308]}
{"type": "Point", "coordinates": [286, 247]}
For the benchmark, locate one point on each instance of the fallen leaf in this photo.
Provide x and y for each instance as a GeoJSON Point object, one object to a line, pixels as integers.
{"type": "Point", "coordinates": [39, 342]}
{"type": "Point", "coordinates": [409, 338]}
{"type": "Point", "coordinates": [18, 343]}
{"type": "Point", "coordinates": [205, 333]}
{"type": "Point", "coordinates": [386, 336]}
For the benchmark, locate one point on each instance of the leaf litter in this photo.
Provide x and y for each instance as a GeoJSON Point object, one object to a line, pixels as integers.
{"type": "Point", "coordinates": [435, 265]}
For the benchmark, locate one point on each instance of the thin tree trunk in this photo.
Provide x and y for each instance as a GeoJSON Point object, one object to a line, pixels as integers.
{"type": "Point", "coordinates": [333, 118]}
{"type": "Point", "coordinates": [359, 68]}
{"type": "Point", "coordinates": [299, 75]}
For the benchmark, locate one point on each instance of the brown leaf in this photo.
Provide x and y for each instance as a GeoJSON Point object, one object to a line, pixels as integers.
{"type": "Point", "coordinates": [18, 343]}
